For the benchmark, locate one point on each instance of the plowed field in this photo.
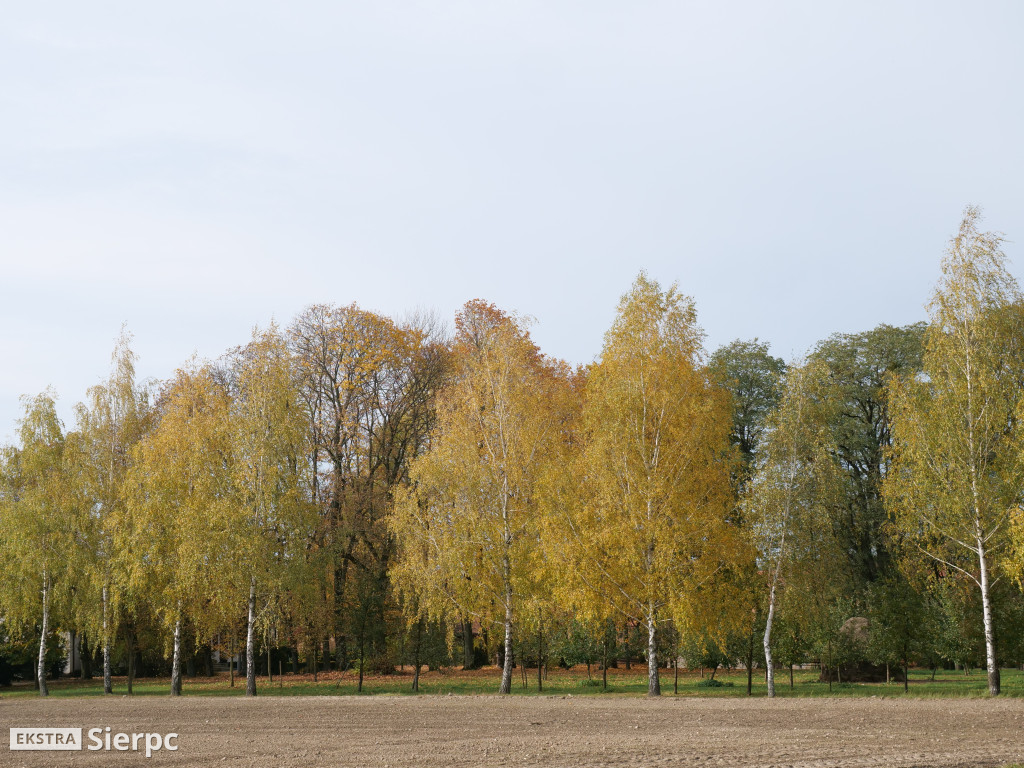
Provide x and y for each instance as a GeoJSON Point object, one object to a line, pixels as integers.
{"type": "Point", "coordinates": [523, 731]}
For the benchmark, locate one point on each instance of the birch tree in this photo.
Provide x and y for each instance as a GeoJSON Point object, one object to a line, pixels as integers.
{"type": "Point", "coordinates": [171, 538]}
{"type": "Point", "coordinates": [41, 518]}
{"type": "Point", "coordinates": [791, 490]}
{"type": "Point", "coordinates": [468, 531]}
{"type": "Point", "coordinates": [653, 526]}
{"type": "Point", "coordinates": [269, 517]}
{"type": "Point", "coordinates": [957, 472]}
{"type": "Point", "coordinates": [113, 419]}
{"type": "Point", "coordinates": [752, 376]}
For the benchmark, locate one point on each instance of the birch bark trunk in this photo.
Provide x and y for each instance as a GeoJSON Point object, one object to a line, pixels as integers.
{"type": "Point", "coordinates": [41, 667]}
{"type": "Point", "coordinates": [107, 684]}
{"type": "Point", "coordinates": [653, 681]}
{"type": "Point", "coordinates": [506, 671]}
{"type": "Point", "coordinates": [176, 660]}
{"type": "Point", "coordinates": [986, 609]}
{"type": "Point", "coordinates": [250, 645]}
{"type": "Point", "coordinates": [768, 667]}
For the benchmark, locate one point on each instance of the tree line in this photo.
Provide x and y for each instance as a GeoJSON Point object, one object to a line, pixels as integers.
{"type": "Point", "coordinates": [357, 492]}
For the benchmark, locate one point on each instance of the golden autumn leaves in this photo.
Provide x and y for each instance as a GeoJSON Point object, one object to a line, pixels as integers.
{"type": "Point", "coordinates": [294, 485]}
{"type": "Point", "coordinates": [957, 481]}
{"type": "Point", "coordinates": [329, 487]}
{"type": "Point", "coordinates": [606, 492]}
{"type": "Point", "coordinates": [215, 495]}
{"type": "Point", "coordinates": [614, 492]}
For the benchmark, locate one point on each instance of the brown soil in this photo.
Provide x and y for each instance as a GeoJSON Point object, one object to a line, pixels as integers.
{"type": "Point", "coordinates": [489, 731]}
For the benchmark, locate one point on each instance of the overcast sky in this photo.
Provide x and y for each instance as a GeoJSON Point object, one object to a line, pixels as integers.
{"type": "Point", "coordinates": [193, 169]}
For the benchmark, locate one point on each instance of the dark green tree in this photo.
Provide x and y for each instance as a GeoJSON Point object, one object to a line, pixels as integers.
{"type": "Point", "coordinates": [753, 377]}
{"type": "Point", "coordinates": [859, 366]}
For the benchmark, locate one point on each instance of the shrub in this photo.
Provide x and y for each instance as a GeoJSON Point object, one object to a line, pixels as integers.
{"type": "Point", "coordinates": [712, 683]}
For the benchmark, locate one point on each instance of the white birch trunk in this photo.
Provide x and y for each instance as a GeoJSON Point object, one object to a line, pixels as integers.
{"type": "Point", "coordinates": [986, 605]}
{"type": "Point", "coordinates": [41, 668]}
{"type": "Point", "coordinates": [107, 684]}
{"type": "Point", "coordinates": [176, 660]}
{"type": "Point", "coordinates": [769, 667]}
{"type": "Point", "coordinates": [506, 577]}
{"type": "Point", "coordinates": [506, 670]}
{"type": "Point", "coordinates": [250, 645]}
{"type": "Point", "coordinates": [986, 609]}
{"type": "Point", "coordinates": [653, 681]}
{"type": "Point", "coordinates": [769, 670]}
